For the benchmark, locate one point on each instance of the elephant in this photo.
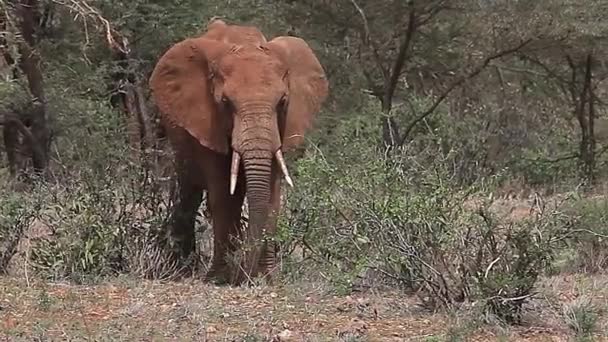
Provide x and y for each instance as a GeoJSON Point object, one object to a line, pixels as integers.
{"type": "Point", "coordinates": [232, 103]}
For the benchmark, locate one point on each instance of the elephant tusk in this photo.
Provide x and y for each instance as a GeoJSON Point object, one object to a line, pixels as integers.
{"type": "Point", "coordinates": [234, 171]}
{"type": "Point", "coordinates": [283, 166]}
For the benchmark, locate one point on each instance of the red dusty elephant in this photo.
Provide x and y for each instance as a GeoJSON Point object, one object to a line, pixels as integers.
{"type": "Point", "coordinates": [232, 103]}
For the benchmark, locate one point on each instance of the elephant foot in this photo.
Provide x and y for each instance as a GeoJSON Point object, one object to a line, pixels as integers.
{"type": "Point", "coordinates": [263, 271]}
{"type": "Point", "coordinates": [267, 266]}
{"type": "Point", "coordinates": [228, 271]}
{"type": "Point", "coordinates": [183, 272]}
{"type": "Point", "coordinates": [217, 278]}
{"type": "Point", "coordinates": [184, 267]}
{"type": "Point", "coordinates": [260, 276]}
{"type": "Point", "coordinates": [219, 274]}
{"type": "Point", "coordinates": [267, 274]}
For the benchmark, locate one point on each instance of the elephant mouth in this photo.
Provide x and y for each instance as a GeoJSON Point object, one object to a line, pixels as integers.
{"type": "Point", "coordinates": [234, 169]}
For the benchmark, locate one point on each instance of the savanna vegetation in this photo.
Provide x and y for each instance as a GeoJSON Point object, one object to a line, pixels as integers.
{"type": "Point", "coordinates": [453, 187]}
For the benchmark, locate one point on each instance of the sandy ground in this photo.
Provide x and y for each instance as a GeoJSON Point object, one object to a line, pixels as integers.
{"type": "Point", "coordinates": [125, 309]}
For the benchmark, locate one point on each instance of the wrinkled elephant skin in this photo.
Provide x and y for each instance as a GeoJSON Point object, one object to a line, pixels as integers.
{"type": "Point", "coordinates": [232, 104]}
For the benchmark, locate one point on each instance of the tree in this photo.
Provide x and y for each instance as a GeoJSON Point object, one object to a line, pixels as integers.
{"type": "Point", "coordinates": [22, 20]}
{"type": "Point", "coordinates": [571, 56]}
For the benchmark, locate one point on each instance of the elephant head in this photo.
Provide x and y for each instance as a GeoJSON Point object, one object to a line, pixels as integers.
{"type": "Point", "coordinates": [250, 101]}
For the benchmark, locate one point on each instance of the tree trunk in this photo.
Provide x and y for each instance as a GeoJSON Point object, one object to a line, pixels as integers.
{"type": "Point", "coordinates": [584, 111]}
{"type": "Point", "coordinates": [10, 132]}
{"type": "Point", "coordinates": [390, 129]}
{"type": "Point", "coordinates": [29, 63]}
{"type": "Point", "coordinates": [10, 135]}
{"type": "Point", "coordinates": [590, 174]}
{"type": "Point", "coordinates": [129, 97]}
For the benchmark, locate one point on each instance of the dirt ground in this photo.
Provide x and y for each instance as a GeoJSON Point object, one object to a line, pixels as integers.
{"type": "Point", "coordinates": [127, 309]}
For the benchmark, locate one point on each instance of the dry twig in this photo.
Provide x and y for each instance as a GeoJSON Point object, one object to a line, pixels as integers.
{"type": "Point", "coordinates": [86, 11]}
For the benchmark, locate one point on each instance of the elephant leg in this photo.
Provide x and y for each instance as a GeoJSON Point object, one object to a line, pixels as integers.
{"type": "Point", "coordinates": [226, 220]}
{"type": "Point", "coordinates": [267, 263]}
{"type": "Point", "coordinates": [181, 227]}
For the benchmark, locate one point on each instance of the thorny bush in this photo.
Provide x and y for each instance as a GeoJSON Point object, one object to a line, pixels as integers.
{"type": "Point", "coordinates": [358, 214]}
{"type": "Point", "coordinates": [104, 209]}
{"type": "Point", "coordinates": [404, 215]}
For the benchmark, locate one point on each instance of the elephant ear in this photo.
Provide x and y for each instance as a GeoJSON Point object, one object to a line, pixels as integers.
{"type": "Point", "coordinates": [308, 87]}
{"type": "Point", "coordinates": [181, 87]}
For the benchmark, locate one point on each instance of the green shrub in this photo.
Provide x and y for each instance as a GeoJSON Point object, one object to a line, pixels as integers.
{"type": "Point", "coordinates": [98, 225]}
{"type": "Point", "coordinates": [16, 214]}
{"type": "Point", "coordinates": [581, 316]}
{"type": "Point", "coordinates": [587, 242]}
{"type": "Point", "coordinates": [106, 210]}
{"type": "Point", "coordinates": [405, 214]}
{"type": "Point", "coordinates": [519, 254]}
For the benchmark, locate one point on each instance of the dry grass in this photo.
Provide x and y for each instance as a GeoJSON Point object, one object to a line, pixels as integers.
{"type": "Point", "coordinates": [135, 310]}
{"type": "Point", "coordinates": [130, 309]}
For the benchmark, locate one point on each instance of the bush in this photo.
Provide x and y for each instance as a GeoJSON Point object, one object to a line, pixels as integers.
{"type": "Point", "coordinates": [416, 216]}
{"type": "Point", "coordinates": [106, 209]}
{"type": "Point", "coordinates": [588, 239]}
{"type": "Point", "coordinates": [581, 316]}
{"type": "Point", "coordinates": [405, 215]}
{"type": "Point", "coordinates": [102, 226]}
{"type": "Point", "coordinates": [15, 216]}
{"type": "Point", "coordinates": [519, 252]}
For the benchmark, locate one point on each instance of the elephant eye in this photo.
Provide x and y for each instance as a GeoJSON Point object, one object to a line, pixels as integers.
{"type": "Point", "coordinates": [282, 104]}
{"type": "Point", "coordinates": [226, 104]}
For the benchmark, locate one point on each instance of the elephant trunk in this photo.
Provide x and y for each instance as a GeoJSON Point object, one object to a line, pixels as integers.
{"type": "Point", "coordinates": [257, 144]}
{"type": "Point", "coordinates": [258, 176]}
{"type": "Point", "coordinates": [256, 140]}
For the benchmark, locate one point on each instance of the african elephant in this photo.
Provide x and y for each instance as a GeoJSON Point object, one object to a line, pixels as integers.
{"type": "Point", "coordinates": [232, 103]}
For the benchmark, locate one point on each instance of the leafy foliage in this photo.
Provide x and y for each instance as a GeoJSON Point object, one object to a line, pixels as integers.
{"type": "Point", "coordinates": [484, 94]}
{"type": "Point", "coordinates": [405, 215]}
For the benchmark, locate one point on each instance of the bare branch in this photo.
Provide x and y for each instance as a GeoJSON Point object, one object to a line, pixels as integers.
{"type": "Point", "coordinates": [458, 83]}
{"type": "Point", "coordinates": [548, 70]}
{"type": "Point", "coordinates": [561, 82]}
{"type": "Point", "coordinates": [432, 13]}
{"type": "Point", "coordinates": [84, 10]}
{"type": "Point", "coordinates": [368, 41]}
{"type": "Point", "coordinates": [522, 71]}
{"type": "Point", "coordinates": [14, 120]}
{"type": "Point", "coordinates": [391, 84]}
